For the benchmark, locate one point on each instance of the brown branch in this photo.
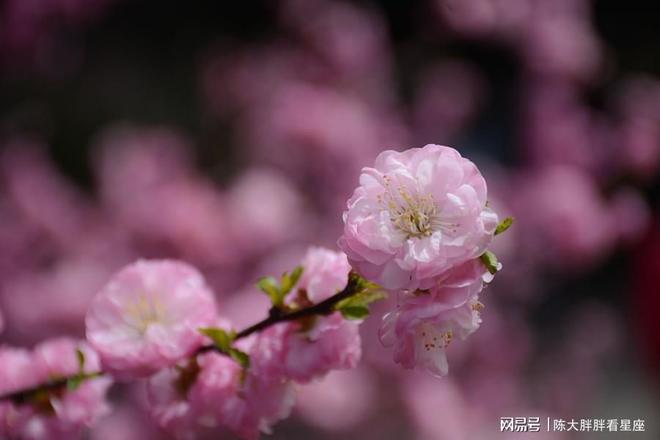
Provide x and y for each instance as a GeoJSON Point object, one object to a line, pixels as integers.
{"type": "Point", "coordinates": [325, 307]}
{"type": "Point", "coordinates": [28, 394]}
{"type": "Point", "coordinates": [275, 316]}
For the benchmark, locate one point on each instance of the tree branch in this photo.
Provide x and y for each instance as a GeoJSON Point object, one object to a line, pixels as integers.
{"type": "Point", "coordinates": [323, 308]}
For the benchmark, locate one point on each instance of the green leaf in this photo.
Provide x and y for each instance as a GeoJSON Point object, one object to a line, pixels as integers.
{"type": "Point", "coordinates": [221, 339]}
{"type": "Point", "coordinates": [354, 312]}
{"type": "Point", "coordinates": [490, 261]}
{"type": "Point", "coordinates": [74, 382]}
{"type": "Point", "coordinates": [272, 289]}
{"type": "Point", "coordinates": [81, 360]}
{"type": "Point", "coordinates": [362, 299]}
{"type": "Point", "coordinates": [356, 306]}
{"type": "Point", "coordinates": [504, 225]}
{"type": "Point", "coordinates": [242, 358]}
{"type": "Point", "coordinates": [277, 292]}
{"type": "Point", "coordinates": [290, 280]}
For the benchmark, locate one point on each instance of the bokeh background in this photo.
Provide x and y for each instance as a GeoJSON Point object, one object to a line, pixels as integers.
{"type": "Point", "coordinates": [230, 134]}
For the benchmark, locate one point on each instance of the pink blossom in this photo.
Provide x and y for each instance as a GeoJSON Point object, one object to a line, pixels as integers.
{"type": "Point", "coordinates": [17, 370]}
{"type": "Point", "coordinates": [425, 322]}
{"type": "Point", "coordinates": [71, 411]}
{"type": "Point", "coordinates": [168, 402]}
{"type": "Point", "coordinates": [416, 215]}
{"type": "Point", "coordinates": [310, 349]}
{"type": "Point", "coordinates": [57, 358]}
{"type": "Point", "coordinates": [325, 273]}
{"type": "Point", "coordinates": [245, 402]}
{"type": "Point", "coordinates": [333, 343]}
{"type": "Point", "coordinates": [147, 317]}
{"type": "Point", "coordinates": [168, 392]}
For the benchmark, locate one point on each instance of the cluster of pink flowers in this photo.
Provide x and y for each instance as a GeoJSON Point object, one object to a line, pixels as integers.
{"type": "Point", "coordinates": [146, 322]}
{"type": "Point", "coordinates": [566, 128]}
{"type": "Point", "coordinates": [146, 318]}
{"type": "Point", "coordinates": [56, 415]}
{"type": "Point", "coordinates": [418, 225]}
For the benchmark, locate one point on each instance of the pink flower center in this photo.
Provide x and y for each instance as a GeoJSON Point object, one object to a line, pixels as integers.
{"type": "Point", "coordinates": [413, 214]}
{"type": "Point", "coordinates": [433, 338]}
{"type": "Point", "coordinates": [144, 311]}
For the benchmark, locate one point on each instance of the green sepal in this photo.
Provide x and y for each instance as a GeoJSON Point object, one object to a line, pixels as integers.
{"type": "Point", "coordinates": [73, 383]}
{"type": "Point", "coordinates": [269, 286]}
{"type": "Point", "coordinates": [221, 339]}
{"type": "Point", "coordinates": [354, 312]}
{"type": "Point", "coordinates": [289, 280]}
{"type": "Point", "coordinates": [504, 225]}
{"type": "Point", "coordinates": [81, 360]}
{"type": "Point", "coordinates": [490, 261]}
{"type": "Point", "coordinates": [356, 306]}
{"type": "Point", "coordinates": [277, 292]}
{"type": "Point", "coordinates": [242, 358]}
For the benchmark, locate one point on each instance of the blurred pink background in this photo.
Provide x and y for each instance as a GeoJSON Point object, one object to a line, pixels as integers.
{"type": "Point", "coordinates": [231, 135]}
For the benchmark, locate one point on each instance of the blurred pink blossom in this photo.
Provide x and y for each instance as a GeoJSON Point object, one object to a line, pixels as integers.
{"type": "Point", "coordinates": [148, 185]}
{"type": "Point", "coordinates": [148, 315]}
{"type": "Point", "coordinates": [333, 343]}
{"type": "Point", "coordinates": [247, 406]}
{"type": "Point", "coordinates": [168, 403]}
{"type": "Point", "coordinates": [349, 41]}
{"type": "Point", "coordinates": [42, 195]}
{"type": "Point", "coordinates": [561, 46]}
{"type": "Point", "coordinates": [504, 19]}
{"type": "Point", "coordinates": [448, 95]}
{"type": "Point", "coordinates": [53, 300]}
{"type": "Point", "coordinates": [567, 222]}
{"type": "Point", "coordinates": [315, 133]}
{"type": "Point", "coordinates": [71, 411]}
{"type": "Point", "coordinates": [637, 103]}
{"type": "Point", "coordinates": [559, 129]}
{"type": "Point", "coordinates": [340, 401]}
{"type": "Point", "coordinates": [261, 209]}
{"type": "Point", "coordinates": [437, 409]}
